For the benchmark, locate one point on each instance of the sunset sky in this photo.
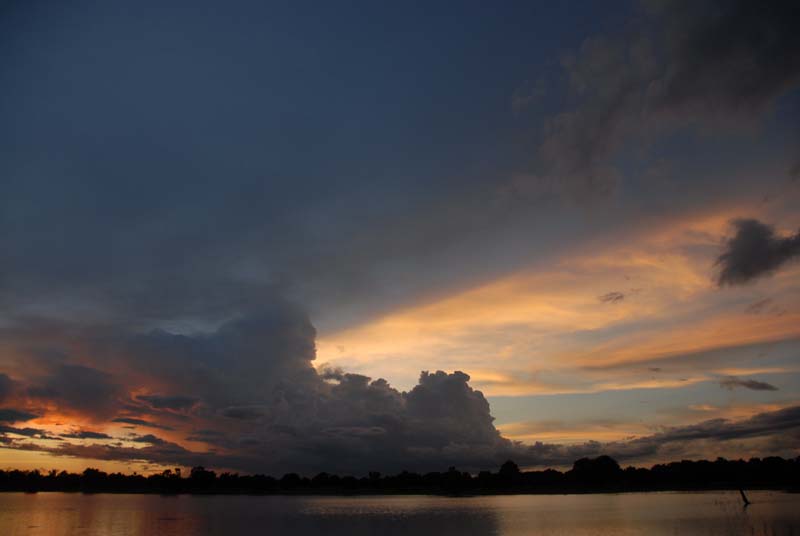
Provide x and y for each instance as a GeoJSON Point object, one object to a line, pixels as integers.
{"type": "Point", "coordinates": [353, 236]}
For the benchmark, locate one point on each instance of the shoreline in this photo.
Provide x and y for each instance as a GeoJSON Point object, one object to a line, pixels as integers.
{"type": "Point", "coordinates": [400, 493]}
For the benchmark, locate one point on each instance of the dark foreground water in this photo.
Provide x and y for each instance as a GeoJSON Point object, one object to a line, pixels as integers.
{"type": "Point", "coordinates": [714, 513]}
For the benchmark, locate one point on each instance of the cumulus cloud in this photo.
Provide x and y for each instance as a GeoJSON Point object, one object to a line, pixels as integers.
{"type": "Point", "coordinates": [259, 405]}
{"type": "Point", "coordinates": [754, 251]}
{"type": "Point", "coordinates": [732, 382]}
{"type": "Point", "coordinates": [355, 425]}
{"type": "Point", "coordinates": [233, 365]}
{"type": "Point", "coordinates": [257, 400]}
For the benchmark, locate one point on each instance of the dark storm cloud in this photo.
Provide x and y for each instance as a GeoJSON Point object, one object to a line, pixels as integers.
{"type": "Point", "coordinates": [86, 434]}
{"type": "Point", "coordinates": [754, 251]}
{"type": "Point", "coordinates": [232, 366]}
{"type": "Point", "coordinates": [729, 57]}
{"type": "Point", "coordinates": [767, 423]}
{"type": "Point", "coordinates": [174, 402]}
{"type": "Point", "coordinates": [79, 388]}
{"type": "Point", "coordinates": [205, 435]}
{"type": "Point", "coordinates": [733, 382]}
{"type": "Point", "coordinates": [140, 422]}
{"type": "Point", "coordinates": [264, 406]}
{"type": "Point", "coordinates": [266, 409]}
{"type": "Point", "coordinates": [694, 63]}
{"type": "Point", "coordinates": [10, 415]}
{"type": "Point", "coordinates": [27, 432]}
{"type": "Point", "coordinates": [359, 421]}
{"type": "Point", "coordinates": [148, 438]}
{"type": "Point", "coordinates": [6, 386]}
{"type": "Point", "coordinates": [672, 441]}
{"type": "Point", "coordinates": [166, 453]}
{"type": "Point", "coordinates": [444, 405]}
{"type": "Point", "coordinates": [348, 422]}
{"type": "Point", "coordinates": [244, 413]}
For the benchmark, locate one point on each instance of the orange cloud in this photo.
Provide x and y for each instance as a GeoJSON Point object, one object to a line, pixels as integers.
{"type": "Point", "coordinates": [504, 332]}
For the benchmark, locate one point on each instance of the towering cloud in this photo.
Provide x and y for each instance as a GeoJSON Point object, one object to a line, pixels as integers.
{"type": "Point", "coordinates": [252, 401]}
{"type": "Point", "coordinates": [251, 389]}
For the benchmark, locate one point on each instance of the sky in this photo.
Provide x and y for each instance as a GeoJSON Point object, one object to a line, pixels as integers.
{"type": "Point", "coordinates": [354, 236]}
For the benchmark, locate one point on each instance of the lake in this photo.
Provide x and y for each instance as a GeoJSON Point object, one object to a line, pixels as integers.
{"type": "Point", "coordinates": [708, 513]}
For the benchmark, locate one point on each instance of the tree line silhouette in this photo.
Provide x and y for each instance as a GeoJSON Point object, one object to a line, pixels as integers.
{"type": "Point", "coordinates": [601, 474]}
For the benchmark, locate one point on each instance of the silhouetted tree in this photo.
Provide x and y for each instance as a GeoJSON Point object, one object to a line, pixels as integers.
{"type": "Point", "coordinates": [602, 471]}
{"type": "Point", "coordinates": [587, 474]}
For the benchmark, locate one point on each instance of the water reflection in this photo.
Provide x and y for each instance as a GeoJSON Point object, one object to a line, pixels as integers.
{"type": "Point", "coordinates": [55, 514]}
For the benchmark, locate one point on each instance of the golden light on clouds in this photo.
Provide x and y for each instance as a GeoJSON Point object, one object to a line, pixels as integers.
{"type": "Point", "coordinates": [45, 461]}
{"type": "Point", "coordinates": [651, 296]}
{"type": "Point", "coordinates": [570, 433]}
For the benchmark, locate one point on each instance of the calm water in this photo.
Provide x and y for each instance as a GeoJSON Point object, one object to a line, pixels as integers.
{"type": "Point", "coordinates": [600, 515]}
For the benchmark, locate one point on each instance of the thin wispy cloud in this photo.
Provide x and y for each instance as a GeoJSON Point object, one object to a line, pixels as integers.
{"type": "Point", "coordinates": [754, 385]}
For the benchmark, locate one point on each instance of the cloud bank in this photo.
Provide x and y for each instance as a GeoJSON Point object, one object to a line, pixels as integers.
{"type": "Point", "coordinates": [249, 393]}
{"type": "Point", "coordinates": [251, 400]}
